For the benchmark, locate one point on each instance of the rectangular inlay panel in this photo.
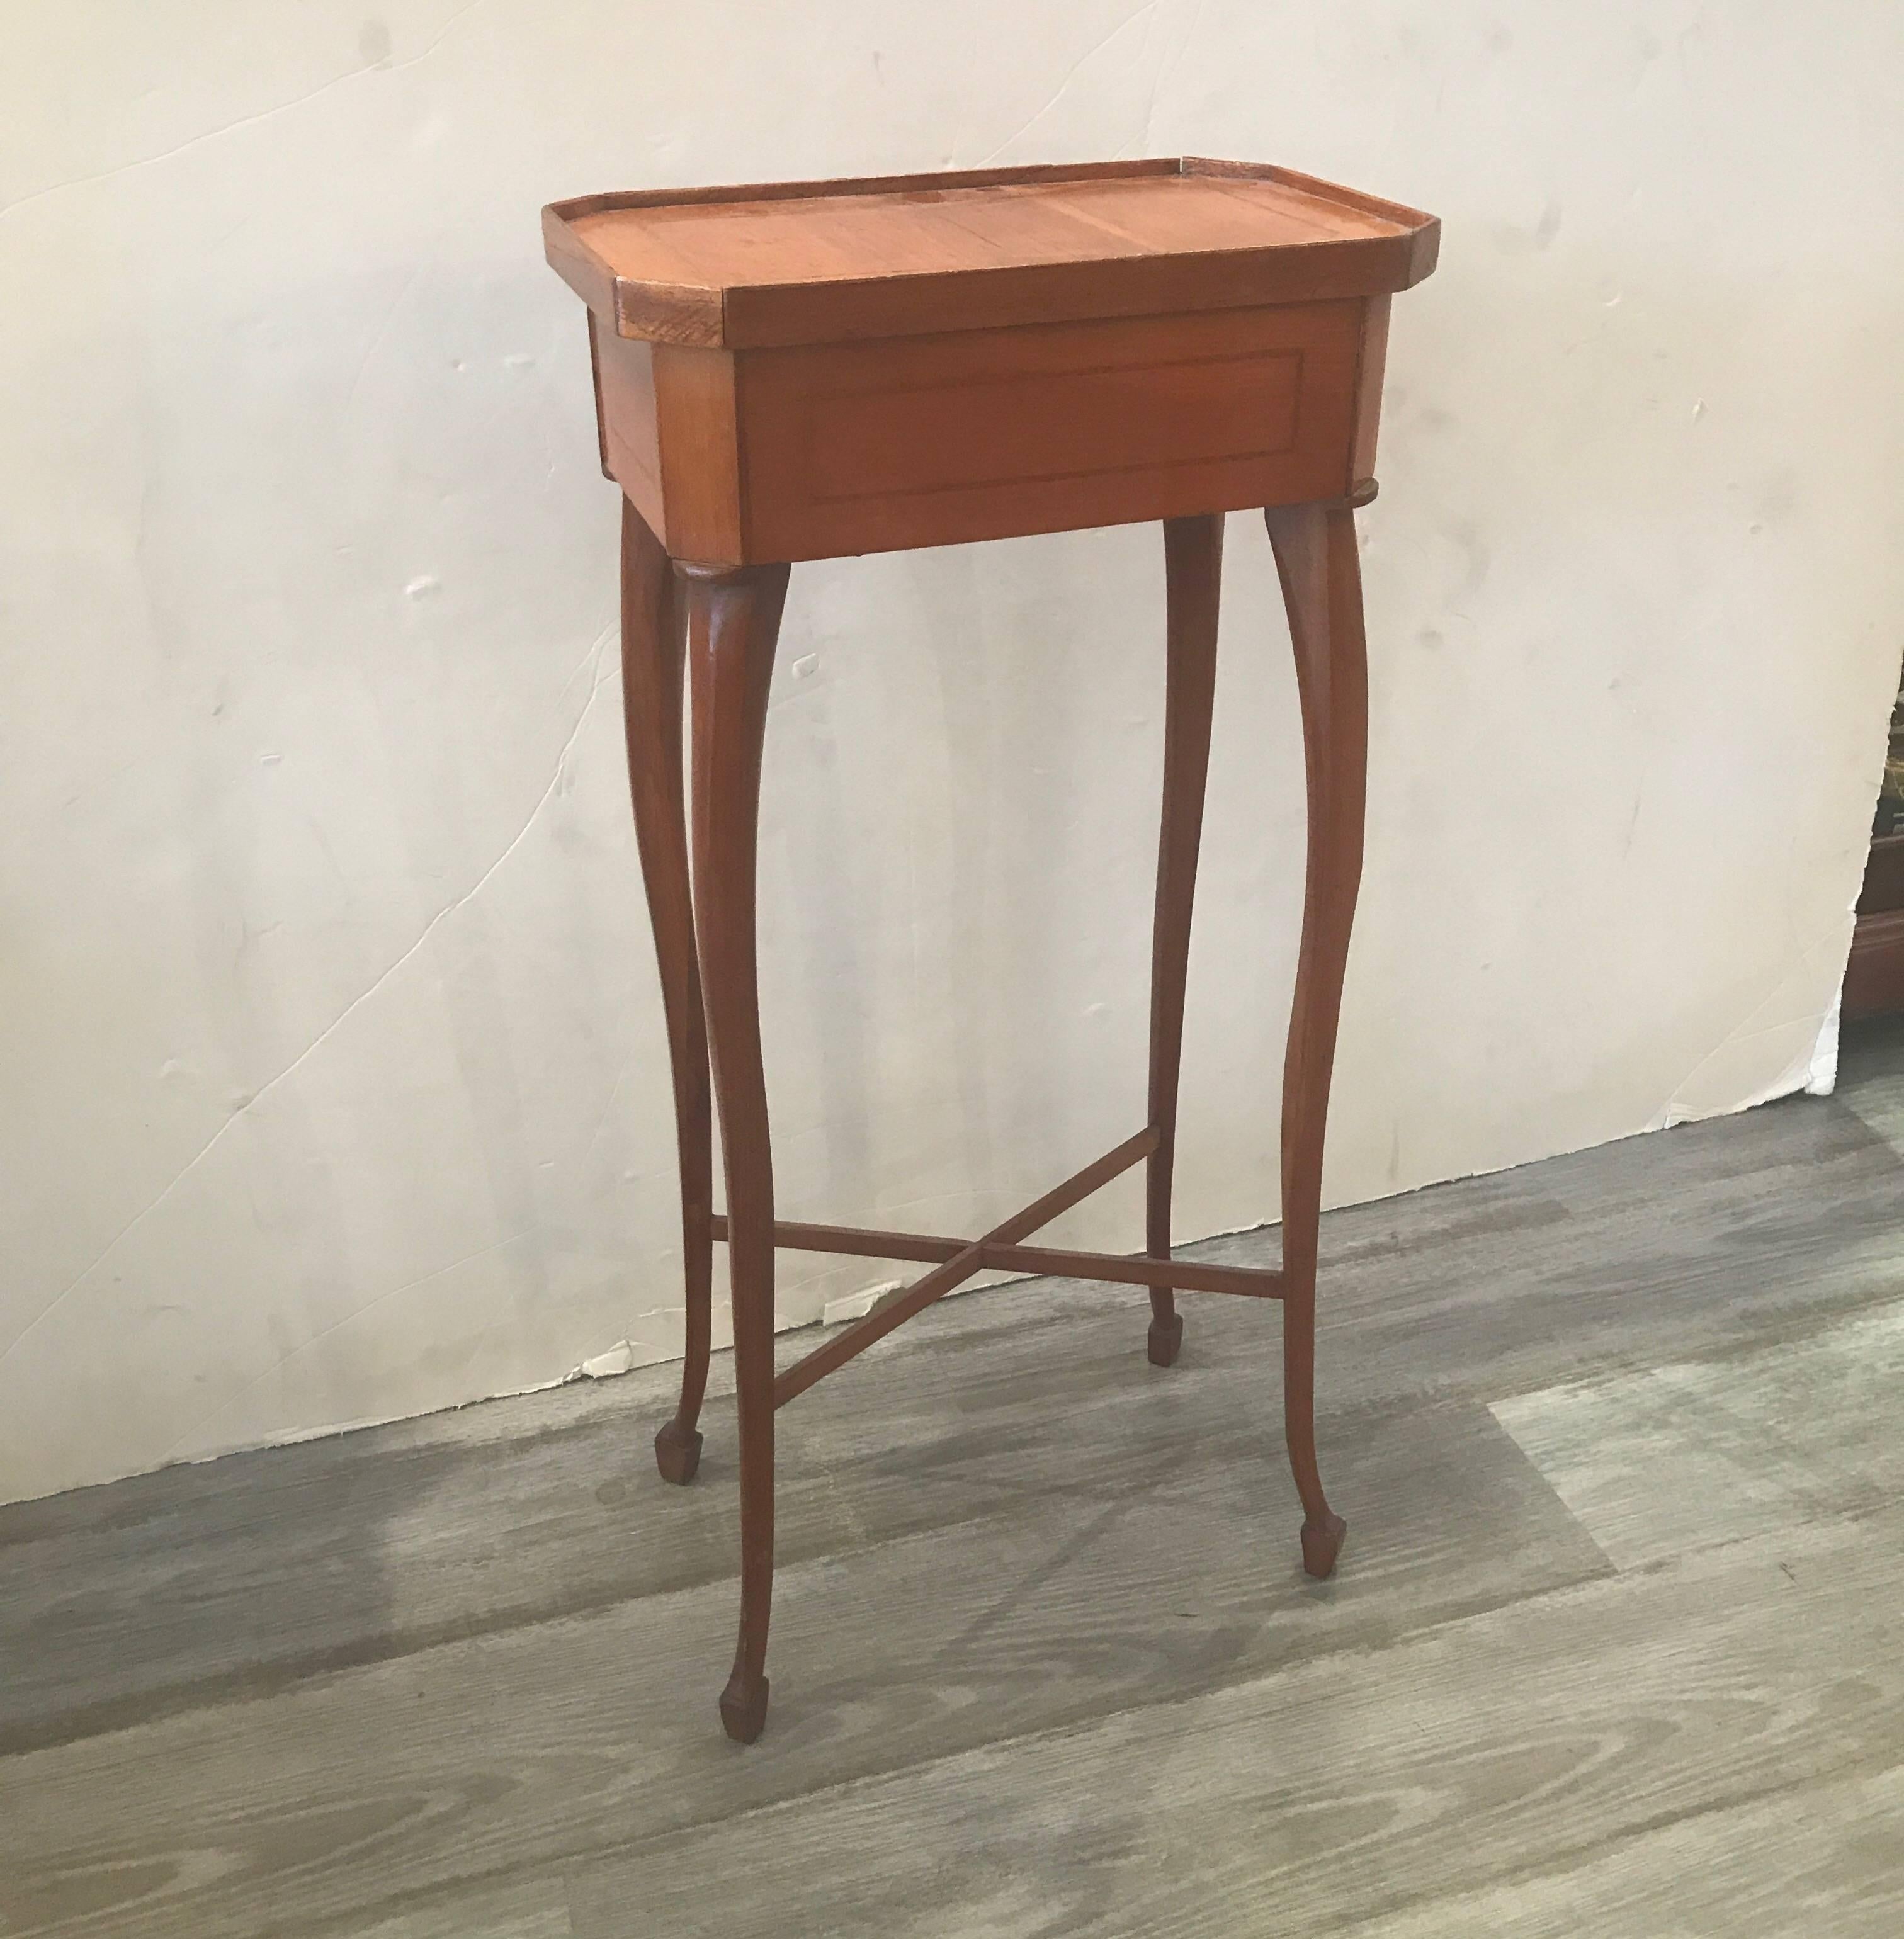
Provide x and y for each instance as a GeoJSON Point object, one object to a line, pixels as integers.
{"type": "Point", "coordinates": [985, 433]}
{"type": "Point", "coordinates": [1073, 426]}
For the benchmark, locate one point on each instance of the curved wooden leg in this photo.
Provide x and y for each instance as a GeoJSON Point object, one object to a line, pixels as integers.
{"type": "Point", "coordinates": [1322, 586]}
{"type": "Point", "coordinates": [1193, 553]}
{"type": "Point", "coordinates": [733, 621]}
{"type": "Point", "coordinates": [653, 635]}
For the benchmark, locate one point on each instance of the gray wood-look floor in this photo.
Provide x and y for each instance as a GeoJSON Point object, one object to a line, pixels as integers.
{"type": "Point", "coordinates": [1616, 1647]}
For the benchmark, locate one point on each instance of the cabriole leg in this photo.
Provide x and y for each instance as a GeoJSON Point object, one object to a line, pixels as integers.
{"type": "Point", "coordinates": [1322, 585]}
{"type": "Point", "coordinates": [1193, 574]}
{"type": "Point", "coordinates": [653, 635]}
{"type": "Point", "coordinates": [734, 620]}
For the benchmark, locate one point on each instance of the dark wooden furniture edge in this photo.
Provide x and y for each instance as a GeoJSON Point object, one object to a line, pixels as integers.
{"type": "Point", "coordinates": [918, 305]}
{"type": "Point", "coordinates": [1883, 887]}
{"type": "Point", "coordinates": [1874, 975]}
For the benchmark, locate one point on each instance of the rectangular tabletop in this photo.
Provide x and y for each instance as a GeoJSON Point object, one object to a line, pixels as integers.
{"type": "Point", "coordinates": [804, 263]}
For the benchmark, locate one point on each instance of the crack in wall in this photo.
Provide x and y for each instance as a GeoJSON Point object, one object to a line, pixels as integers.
{"type": "Point", "coordinates": [1070, 74]}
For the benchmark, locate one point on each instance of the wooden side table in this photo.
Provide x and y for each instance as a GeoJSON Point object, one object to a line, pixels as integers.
{"type": "Point", "coordinates": [809, 370]}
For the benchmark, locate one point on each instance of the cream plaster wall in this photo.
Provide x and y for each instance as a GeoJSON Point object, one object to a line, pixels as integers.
{"type": "Point", "coordinates": [332, 1082]}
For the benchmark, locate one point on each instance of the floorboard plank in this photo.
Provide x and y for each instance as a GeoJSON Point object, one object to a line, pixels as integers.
{"type": "Point", "coordinates": [534, 1906]}
{"type": "Point", "coordinates": [1700, 1451]}
{"type": "Point", "coordinates": [1341, 1789]}
{"type": "Point", "coordinates": [1096, 1593]}
{"type": "Point", "coordinates": [318, 1566]}
{"type": "Point", "coordinates": [1815, 1862]}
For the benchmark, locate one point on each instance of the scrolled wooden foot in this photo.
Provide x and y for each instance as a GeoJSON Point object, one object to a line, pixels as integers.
{"type": "Point", "coordinates": [677, 1453]}
{"type": "Point", "coordinates": [744, 1707]}
{"type": "Point", "coordinates": [1166, 1337]}
{"type": "Point", "coordinates": [1322, 1542]}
